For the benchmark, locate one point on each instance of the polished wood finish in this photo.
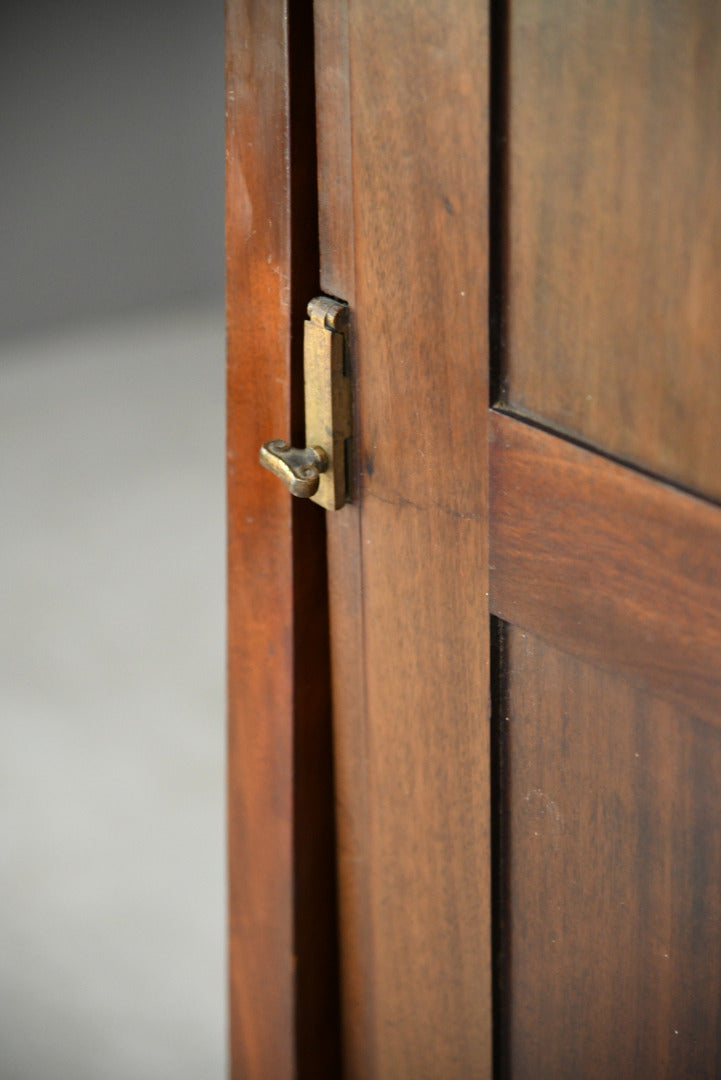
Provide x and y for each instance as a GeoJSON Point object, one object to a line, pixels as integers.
{"type": "Point", "coordinates": [283, 990]}
{"type": "Point", "coordinates": [612, 253]}
{"type": "Point", "coordinates": [608, 685]}
{"type": "Point", "coordinates": [402, 153]}
{"type": "Point", "coordinates": [612, 896]}
{"type": "Point", "coordinates": [610, 565]}
{"type": "Point", "coordinates": [335, 159]}
{"type": "Point", "coordinates": [606, 747]}
{"type": "Point", "coordinates": [345, 576]}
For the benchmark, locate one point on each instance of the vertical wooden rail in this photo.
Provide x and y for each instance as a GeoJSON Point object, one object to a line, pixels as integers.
{"type": "Point", "coordinates": [283, 989]}
{"type": "Point", "coordinates": [403, 162]}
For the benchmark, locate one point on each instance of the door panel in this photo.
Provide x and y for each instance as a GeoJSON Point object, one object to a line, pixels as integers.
{"type": "Point", "coordinates": [606, 249]}
{"type": "Point", "coordinates": [611, 891]}
{"type": "Point", "coordinates": [608, 734]}
{"type": "Point", "coordinates": [613, 228]}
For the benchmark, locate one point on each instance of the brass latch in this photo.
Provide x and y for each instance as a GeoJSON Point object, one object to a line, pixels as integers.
{"type": "Point", "coordinates": [320, 471]}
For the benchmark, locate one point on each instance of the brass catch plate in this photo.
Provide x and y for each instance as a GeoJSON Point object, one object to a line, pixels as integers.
{"type": "Point", "coordinates": [320, 471]}
{"type": "Point", "coordinates": [327, 396]}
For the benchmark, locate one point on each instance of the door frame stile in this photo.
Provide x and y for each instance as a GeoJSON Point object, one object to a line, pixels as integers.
{"type": "Point", "coordinates": [282, 912]}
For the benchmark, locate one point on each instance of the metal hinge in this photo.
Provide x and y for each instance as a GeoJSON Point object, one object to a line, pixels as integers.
{"type": "Point", "coordinates": [320, 471]}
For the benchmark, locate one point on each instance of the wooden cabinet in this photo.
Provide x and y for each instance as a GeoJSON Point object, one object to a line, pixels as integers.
{"type": "Point", "coordinates": [475, 756]}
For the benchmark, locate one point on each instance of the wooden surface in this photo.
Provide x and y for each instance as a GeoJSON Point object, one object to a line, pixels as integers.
{"type": "Point", "coordinates": [612, 892]}
{"type": "Point", "coordinates": [402, 154]}
{"type": "Point", "coordinates": [612, 254]}
{"type": "Point", "coordinates": [345, 578]}
{"type": "Point", "coordinates": [606, 326]}
{"type": "Point", "coordinates": [607, 563]}
{"type": "Point", "coordinates": [283, 990]}
{"type": "Point", "coordinates": [607, 740]}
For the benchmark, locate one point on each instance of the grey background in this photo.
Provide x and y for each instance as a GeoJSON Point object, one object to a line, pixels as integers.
{"type": "Point", "coordinates": [112, 894]}
{"type": "Point", "coordinates": [111, 128]}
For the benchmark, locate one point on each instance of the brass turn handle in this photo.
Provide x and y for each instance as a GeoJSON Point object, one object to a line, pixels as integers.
{"type": "Point", "coordinates": [322, 470]}
{"type": "Point", "coordinates": [298, 469]}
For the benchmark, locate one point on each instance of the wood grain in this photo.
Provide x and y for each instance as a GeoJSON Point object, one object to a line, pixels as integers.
{"type": "Point", "coordinates": [283, 988]}
{"type": "Point", "coordinates": [607, 250]}
{"type": "Point", "coordinates": [613, 229]}
{"type": "Point", "coordinates": [612, 896]}
{"type": "Point", "coordinates": [407, 563]}
{"type": "Point", "coordinates": [345, 580]}
{"type": "Point", "coordinates": [335, 169]}
{"type": "Point", "coordinates": [612, 566]}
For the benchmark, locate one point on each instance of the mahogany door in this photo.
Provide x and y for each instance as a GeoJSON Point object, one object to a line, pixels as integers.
{"type": "Point", "coordinates": [606, 539]}
{"type": "Point", "coordinates": [512, 865]}
{"type": "Point", "coordinates": [402, 113]}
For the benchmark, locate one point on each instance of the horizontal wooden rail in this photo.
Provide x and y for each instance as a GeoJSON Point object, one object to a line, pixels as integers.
{"type": "Point", "coordinates": [561, 565]}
